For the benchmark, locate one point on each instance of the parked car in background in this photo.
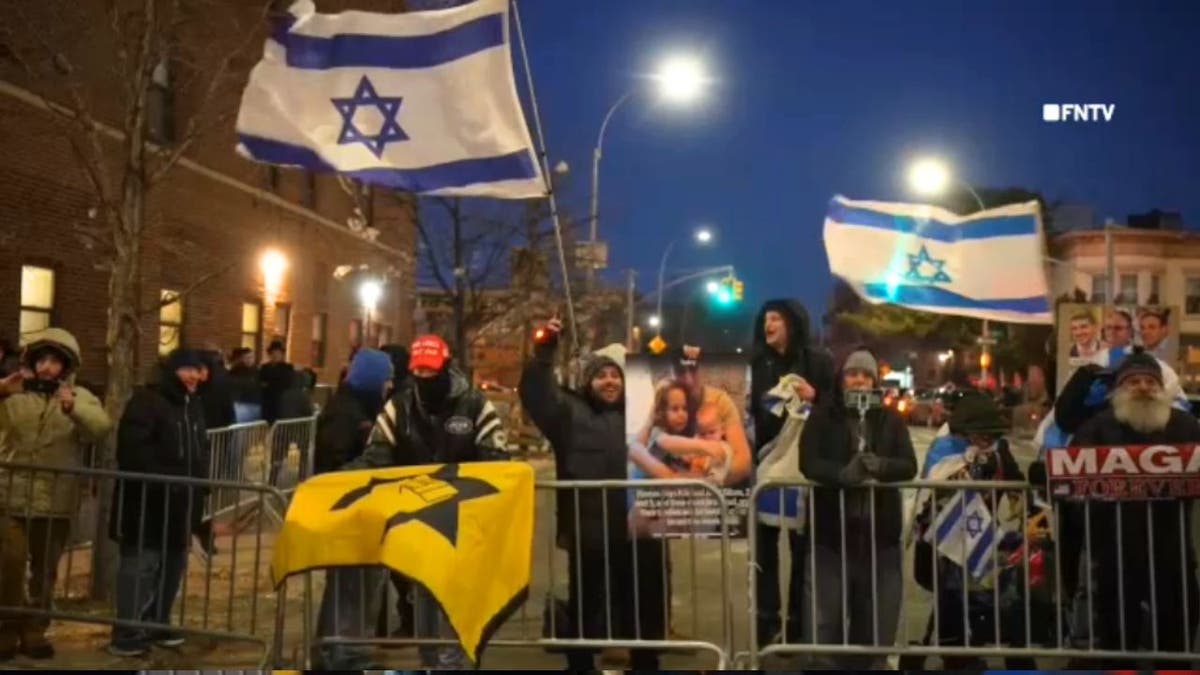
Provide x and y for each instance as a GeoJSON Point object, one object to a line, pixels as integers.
{"type": "Point", "coordinates": [900, 400]}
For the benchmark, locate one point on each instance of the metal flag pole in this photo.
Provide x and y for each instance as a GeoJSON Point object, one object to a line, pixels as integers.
{"type": "Point", "coordinates": [545, 163]}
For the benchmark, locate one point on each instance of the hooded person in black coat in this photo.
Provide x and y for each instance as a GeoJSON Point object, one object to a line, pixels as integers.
{"type": "Point", "coordinates": [1142, 550]}
{"type": "Point", "coordinates": [162, 431]}
{"type": "Point", "coordinates": [857, 530]}
{"type": "Point", "coordinates": [586, 429]}
{"type": "Point", "coordinates": [216, 392]}
{"type": "Point", "coordinates": [782, 346]}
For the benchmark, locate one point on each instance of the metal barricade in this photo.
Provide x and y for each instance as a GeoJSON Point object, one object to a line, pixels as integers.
{"type": "Point", "coordinates": [636, 598]}
{"type": "Point", "coordinates": [291, 443]}
{"type": "Point", "coordinates": [157, 596]}
{"type": "Point", "coordinates": [230, 448]}
{"type": "Point", "coordinates": [973, 579]}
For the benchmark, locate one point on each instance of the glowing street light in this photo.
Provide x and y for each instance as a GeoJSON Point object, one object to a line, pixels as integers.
{"type": "Point", "coordinates": [712, 287]}
{"type": "Point", "coordinates": [273, 264]}
{"type": "Point", "coordinates": [369, 293]}
{"type": "Point", "coordinates": [928, 176]}
{"type": "Point", "coordinates": [681, 79]}
{"type": "Point", "coordinates": [654, 321]}
{"type": "Point", "coordinates": [704, 235]}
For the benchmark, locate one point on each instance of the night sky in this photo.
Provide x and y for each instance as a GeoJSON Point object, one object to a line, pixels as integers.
{"type": "Point", "coordinates": [818, 98]}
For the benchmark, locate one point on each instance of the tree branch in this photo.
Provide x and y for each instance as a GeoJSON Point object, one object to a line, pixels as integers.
{"type": "Point", "coordinates": [194, 130]}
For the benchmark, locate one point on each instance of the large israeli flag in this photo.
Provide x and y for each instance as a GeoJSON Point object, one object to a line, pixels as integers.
{"type": "Point", "coordinates": [988, 265]}
{"type": "Point", "coordinates": [422, 101]}
{"type": "Point", "coordinates": [963, 532]}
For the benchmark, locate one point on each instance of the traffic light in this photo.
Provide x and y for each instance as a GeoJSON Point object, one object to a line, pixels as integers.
{"type": "Point", "coordinates": [985, 360]}
{"type": "Point", "coordinates": [739, 290]}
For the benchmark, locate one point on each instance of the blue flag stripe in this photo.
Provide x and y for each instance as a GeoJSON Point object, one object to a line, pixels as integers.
{"type": "Point", "coordinates": [951, 521]}
{"type": "Point", "coordinates": [350, 50]}
{"type": "Point", "coordinates": [987, 228]}
{"type": "Point", "coordinates": [982, 552]}
{"type": "Point", "coordinates": [932, 296]}
{"type": "Point", "coordinates": [513, 166]}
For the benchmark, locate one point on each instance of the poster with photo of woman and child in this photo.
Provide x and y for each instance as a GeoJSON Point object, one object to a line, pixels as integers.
{"type": "Point", "coordinates": [1090, 333]}
{"type": "Point", "coordinates": [685, 420]}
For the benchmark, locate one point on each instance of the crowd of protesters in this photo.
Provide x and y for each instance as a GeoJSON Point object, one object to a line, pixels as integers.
{"type": "Point", "coordinates": [846, 538]}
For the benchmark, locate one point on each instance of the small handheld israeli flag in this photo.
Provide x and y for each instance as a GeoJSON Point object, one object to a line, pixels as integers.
{"type": "Point", "coordinates": [421, 101]}
{"type": "Point", "coordinates": [988, 265]}
{"type": "Point", "coordinates": [963, 532]}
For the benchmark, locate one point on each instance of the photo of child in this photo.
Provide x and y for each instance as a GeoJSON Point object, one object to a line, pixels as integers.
{"type": "Point", "coordinates": [683, 423]}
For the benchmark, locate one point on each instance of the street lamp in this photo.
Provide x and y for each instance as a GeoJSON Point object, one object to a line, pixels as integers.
{"type": "Point", "coordinates": [702, 236]}
{"type": "Point", "coordinates": [369, 293]}
{"type": "Point", "coordinates": [680, 80]}
{"type": "Point", "coordinates": [930, 176]}
{"type": "Point", "coordinates": [273, 264]}
{"type": "Point", "coordinates": [712, 287]}
{"type": "Point", "coordinates": [653, 321]}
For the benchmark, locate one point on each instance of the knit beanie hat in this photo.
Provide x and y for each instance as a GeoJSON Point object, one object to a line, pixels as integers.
{"type": "Point", "coordinates": [184, 358]}
{"type": "Point", "coordinates": [369, 370]}
{"type": "Point", "coordinates": [862, 360]}
{"type": "Point", "coordinates": [1139, 363]}
{"type": "Point", "coordinates": [977, 414]}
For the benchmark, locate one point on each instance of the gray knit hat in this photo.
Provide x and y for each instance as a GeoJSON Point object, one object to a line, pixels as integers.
{"type": "Point", "coordinates": [862, 360]}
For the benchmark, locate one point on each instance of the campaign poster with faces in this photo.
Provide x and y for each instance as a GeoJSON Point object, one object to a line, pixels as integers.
{"type": "Point", "coordinates": [685, 420]}
{"type": "Point", "coordinates": [1088, 333]}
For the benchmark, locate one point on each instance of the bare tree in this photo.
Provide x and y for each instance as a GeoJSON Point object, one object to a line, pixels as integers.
{"type": "Point", "coordinates": [101, 69]}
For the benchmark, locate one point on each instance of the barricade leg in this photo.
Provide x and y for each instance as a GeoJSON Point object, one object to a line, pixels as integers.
{"type": "Point", "coordinates": [767, 583]}
{"type": "Point", "coordinates": [47, 538]}
{"type": "Point", "coordinates": [349, 608]}
{"type": "Point", "coordinates": [13, 553]}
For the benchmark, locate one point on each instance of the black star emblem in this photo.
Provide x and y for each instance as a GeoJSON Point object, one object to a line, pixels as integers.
{"type": "Point", "coordinates": [442, 513]}
{"type": "Point", "coordinates": [389, 107]}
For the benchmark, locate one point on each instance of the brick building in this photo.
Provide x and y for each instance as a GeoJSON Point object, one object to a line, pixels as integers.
{"type": "Point", "coordinates": [258, 253]}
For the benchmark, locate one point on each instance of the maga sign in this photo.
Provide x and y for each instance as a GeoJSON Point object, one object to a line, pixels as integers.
{"type": "Point", "coordinates": [1136, 472]}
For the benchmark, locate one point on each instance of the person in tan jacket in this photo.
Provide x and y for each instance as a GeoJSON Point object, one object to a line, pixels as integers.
{"type": "Point", "coordinates": [47, 421]}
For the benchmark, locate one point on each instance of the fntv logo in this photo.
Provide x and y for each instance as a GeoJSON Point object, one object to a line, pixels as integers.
{"type": "Point", "coordinates": [1078, 112]}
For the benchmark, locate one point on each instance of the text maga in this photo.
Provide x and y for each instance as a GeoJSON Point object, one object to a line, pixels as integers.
{"type": "Point", "coordinates": [1125, 472]}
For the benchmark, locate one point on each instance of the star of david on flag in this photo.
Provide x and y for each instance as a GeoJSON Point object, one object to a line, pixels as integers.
{"type": "Point", "coordinates": [919, 261]}
{"type": "Point", "coordinates": [964, 533]}
{"type": "Point", "coordinates": [388, 107]}
{"type": "Point", "coordinates": [987, 265]}
{"type": "Point", "coordinates": [423, 101]}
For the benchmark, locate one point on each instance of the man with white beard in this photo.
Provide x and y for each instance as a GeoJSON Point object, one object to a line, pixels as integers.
{"type": "Point", "coordinates": [1142, 549]}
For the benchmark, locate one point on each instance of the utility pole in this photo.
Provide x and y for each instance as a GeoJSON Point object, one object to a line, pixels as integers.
{"type": "Point", "coordinates": [631, 276]}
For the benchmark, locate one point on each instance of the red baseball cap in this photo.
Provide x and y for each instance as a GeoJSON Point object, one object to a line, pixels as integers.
{"type": "Point", "coordinates": [428, 351]}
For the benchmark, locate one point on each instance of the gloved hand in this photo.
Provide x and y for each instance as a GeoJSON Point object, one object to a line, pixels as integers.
{"type": "Point", "coordinates": [855, 472]}
{"type": "Point", "coordinates": [872, 463]}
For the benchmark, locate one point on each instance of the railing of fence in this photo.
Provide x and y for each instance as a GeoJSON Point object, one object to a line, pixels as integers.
{"type": "Point", "coordinates": [157, 597]}
{"type": "Point", "coordinates": [593, 588]}
{"type": "Point", "coordinates": [1003, 573]}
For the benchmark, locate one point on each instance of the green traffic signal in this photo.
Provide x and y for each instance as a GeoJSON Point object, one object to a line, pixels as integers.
{"type": "Point", "coordinates": [724, 296]}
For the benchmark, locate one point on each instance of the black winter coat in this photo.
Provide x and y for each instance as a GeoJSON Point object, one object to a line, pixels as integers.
{"type": "Point", "coordinates": [276, 378]}
{"type": "Point", "coordinates": [588, 438]}
{"type": "Point", "coordinates": [767, 366]}
{"type": "Point", "coordinates": [161, 432]}
{"type": "Point", "coordinates": [1105, 430]}
{"type": "Point", "coordinates": [827, 445]}
{"type": "Point", "coordinates": [343, 428]}
{"type": "Point", "coordinates": [217, 394]}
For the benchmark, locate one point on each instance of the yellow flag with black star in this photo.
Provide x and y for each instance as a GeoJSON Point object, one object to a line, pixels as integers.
{"type": "Point", "coordinates": [463, 531]}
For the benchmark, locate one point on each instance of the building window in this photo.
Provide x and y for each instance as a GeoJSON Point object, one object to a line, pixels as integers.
{"type": "Point", "coordinates": [252, 326]}
{"type": "Point", "coordinates": [1099, 288]}
{"type": "Point", "coordinates": [318, 340]}
{"type": "Point", "coordinates": [1153, 299]}
{"type": "Point", "coordinates": [1127, 289]}
{"type": "Point", "coordinates": [170, 321]}
{"type": "Point", "coordinates": [283, 324]}
{"type": "Point", "coordinates": [160, 125]}
{"type": "Point", "coordinates": [1191, 298]}
{"type": "Point", "coordinates": [37, 297]}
